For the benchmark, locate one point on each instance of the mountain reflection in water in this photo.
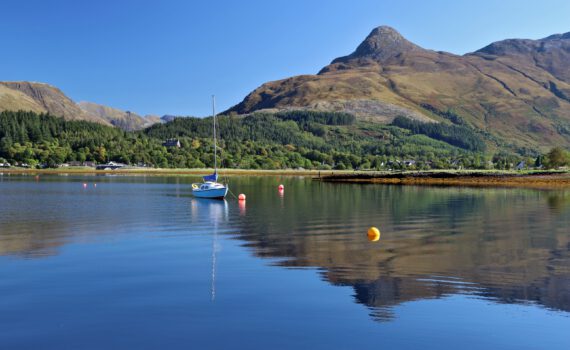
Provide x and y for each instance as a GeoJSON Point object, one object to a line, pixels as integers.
{"type": "Point", "coordinates": [502, 245]}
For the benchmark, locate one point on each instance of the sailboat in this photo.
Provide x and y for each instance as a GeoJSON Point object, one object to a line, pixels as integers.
{"type": "Point", "coordinates": [211, 188]}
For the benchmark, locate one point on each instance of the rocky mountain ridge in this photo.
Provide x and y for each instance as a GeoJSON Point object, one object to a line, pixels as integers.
{"type": "Point", "coordinates": [44, 98]}
{"type": "Point", "coordinates": [516, 90]}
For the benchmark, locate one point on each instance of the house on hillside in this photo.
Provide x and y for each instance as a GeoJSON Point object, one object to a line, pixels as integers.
{"type": "Point", "coordinates": [172, 143]}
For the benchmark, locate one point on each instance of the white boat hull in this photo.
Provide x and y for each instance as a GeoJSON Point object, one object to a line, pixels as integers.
{"type": "Point", "coordinates": [214, 193]}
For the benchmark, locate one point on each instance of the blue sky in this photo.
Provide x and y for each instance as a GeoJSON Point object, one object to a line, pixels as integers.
{"type": "Point", "coordinates": [168, 57]}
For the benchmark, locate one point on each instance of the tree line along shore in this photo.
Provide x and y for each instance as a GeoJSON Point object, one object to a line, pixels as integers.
{"type": "Point", "coordinates": [300, 140]}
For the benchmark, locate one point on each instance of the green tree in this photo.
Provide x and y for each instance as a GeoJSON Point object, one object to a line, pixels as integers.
{"type": "Point", "coordinates": [557, 157]}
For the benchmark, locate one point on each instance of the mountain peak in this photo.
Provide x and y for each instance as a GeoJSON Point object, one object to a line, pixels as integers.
{"type": "Point", "coordinates": [385, 32]}
{"type": "Point", "coordinates": [382, 43]}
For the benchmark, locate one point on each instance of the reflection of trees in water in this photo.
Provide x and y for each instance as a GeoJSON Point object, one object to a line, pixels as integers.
{"type": "Point", "coordinates": [40, 218]}
{"type": "Point", "coordinates": [27, 241]}
{"type": "Point", "coordinates": [502, 244]}
{"type": "Point", "coordinates": [507, 245]}
{"type": "Point", "coordinates": [558, 201]}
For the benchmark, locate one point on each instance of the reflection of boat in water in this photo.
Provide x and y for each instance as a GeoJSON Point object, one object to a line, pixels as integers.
{"type": "Point", "coordinates": [211, 188]}
{"type": "Point", "coordinates": [217, 211]}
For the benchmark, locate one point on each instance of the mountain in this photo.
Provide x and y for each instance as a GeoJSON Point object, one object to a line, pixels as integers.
{"type": "Point", "coordinates": [168, 118]}
{"type": "Point", "coordinates": [42, 98]}
{"type": "Point", "coordinates": [11, 100]}
{"type": "Point", "coordinates": [153, 119]}
{"type": "Point", "coordinates": [517, 92]}
{"type": "Point", "coordinates": [125, 120]}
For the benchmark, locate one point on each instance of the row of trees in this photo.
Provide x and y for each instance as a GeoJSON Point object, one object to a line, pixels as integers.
{"type": "Point", "coordinates": [310, 140]}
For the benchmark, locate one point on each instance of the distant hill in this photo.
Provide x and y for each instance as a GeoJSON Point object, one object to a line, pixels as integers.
{"type": "Point", "coordinates": [42, 98]}
{"type": "Point", "coordinates": [125, 120]}
{"type": "Point", "coordinates": [153, 119]}
{"type": "Point", "coordinates": [168, 118]}
{"type": "Point", "coordinates": [516, 91]}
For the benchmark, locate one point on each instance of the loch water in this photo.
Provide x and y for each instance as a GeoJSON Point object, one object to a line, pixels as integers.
{"type": "Point", "coordinates": [135, 262]}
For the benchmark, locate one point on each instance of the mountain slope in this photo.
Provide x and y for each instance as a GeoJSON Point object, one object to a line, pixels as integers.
{"type": "Point", "coordinates": [125, 120]}
{"type": "Point", "coordinates": [40, 97]}
{"type": "Point", "coordinates": [44, 98]}
{"type": "Point", "coordinates": [515, 90]}
{"type": "Point", "coordinates": [14, 100]}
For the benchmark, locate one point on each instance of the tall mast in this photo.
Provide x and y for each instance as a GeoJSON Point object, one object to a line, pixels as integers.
{"type": "Point", "coordinates": [215, 147]}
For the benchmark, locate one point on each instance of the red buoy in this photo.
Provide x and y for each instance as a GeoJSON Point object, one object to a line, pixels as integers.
{"type": "Point", "coordinates": [241, 197]}
{"type": "Point", "coordinates": [281, 187]}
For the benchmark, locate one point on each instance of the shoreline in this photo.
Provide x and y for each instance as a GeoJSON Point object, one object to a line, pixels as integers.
{"type": "Point", "coordinates": [172, 172]}
{"type": "Point", "coordinates": [537, 179]}
{"type": "Point", "coordinates": [474, 178]}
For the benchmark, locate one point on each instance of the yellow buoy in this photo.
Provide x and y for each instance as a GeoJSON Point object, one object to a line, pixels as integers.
{"type": "Point", "coordinates": [373, 234]}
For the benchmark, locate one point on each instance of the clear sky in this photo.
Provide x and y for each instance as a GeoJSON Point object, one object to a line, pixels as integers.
{"type": "Point", "coordinates": [168, 57]}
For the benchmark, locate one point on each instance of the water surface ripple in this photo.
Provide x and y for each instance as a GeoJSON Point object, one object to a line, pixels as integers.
{"type": "Point", "coordinates": [136, 262]}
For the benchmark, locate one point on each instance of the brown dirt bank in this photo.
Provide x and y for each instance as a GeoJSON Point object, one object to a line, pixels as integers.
{"type": "Point", "coordinates": [536, 179]}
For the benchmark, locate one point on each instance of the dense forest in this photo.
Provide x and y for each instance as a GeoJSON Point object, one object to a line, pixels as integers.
{"type": "Point", "coordinates": [457, 135]}
{"type": "Point", "coordinates": [293, 139]}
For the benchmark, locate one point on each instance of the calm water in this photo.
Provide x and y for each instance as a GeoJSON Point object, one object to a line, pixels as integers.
{"type": "Point", "coordinates": [136, 262]}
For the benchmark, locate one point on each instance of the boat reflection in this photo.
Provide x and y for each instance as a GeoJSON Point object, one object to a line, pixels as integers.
{"type": "Point", "coordinates": [215, 210]}
{"type": "Point", "coordinates": [217, 213]}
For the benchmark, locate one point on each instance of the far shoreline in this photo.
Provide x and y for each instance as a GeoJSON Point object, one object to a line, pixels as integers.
{"type": "Point", "coordinates": [471, 178]}
{"type": "Point", "coordinates": [173, 172]}
{"type": "Point", "coordinates": [449, 177]}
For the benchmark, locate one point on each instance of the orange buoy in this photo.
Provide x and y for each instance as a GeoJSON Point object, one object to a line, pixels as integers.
{"type": "Point", "coordinates": [373, 234]}
{"type": "Point", "coordinates": [281, 187]}
{"type": "Point", "coordinates": [241, 197]}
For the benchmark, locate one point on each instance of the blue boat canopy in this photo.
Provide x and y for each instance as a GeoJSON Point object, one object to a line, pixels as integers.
{"type": "Point", "coordinates": [213, 177]}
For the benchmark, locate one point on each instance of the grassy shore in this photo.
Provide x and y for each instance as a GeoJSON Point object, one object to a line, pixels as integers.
{"type": "Point", "coordinates": [537, 179]}
{"type": "Point", "coordinates": [154, 171]}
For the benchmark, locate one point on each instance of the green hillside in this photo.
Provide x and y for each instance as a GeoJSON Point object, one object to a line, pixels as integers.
{"type": "Point", "coordinates": [293, 139]}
